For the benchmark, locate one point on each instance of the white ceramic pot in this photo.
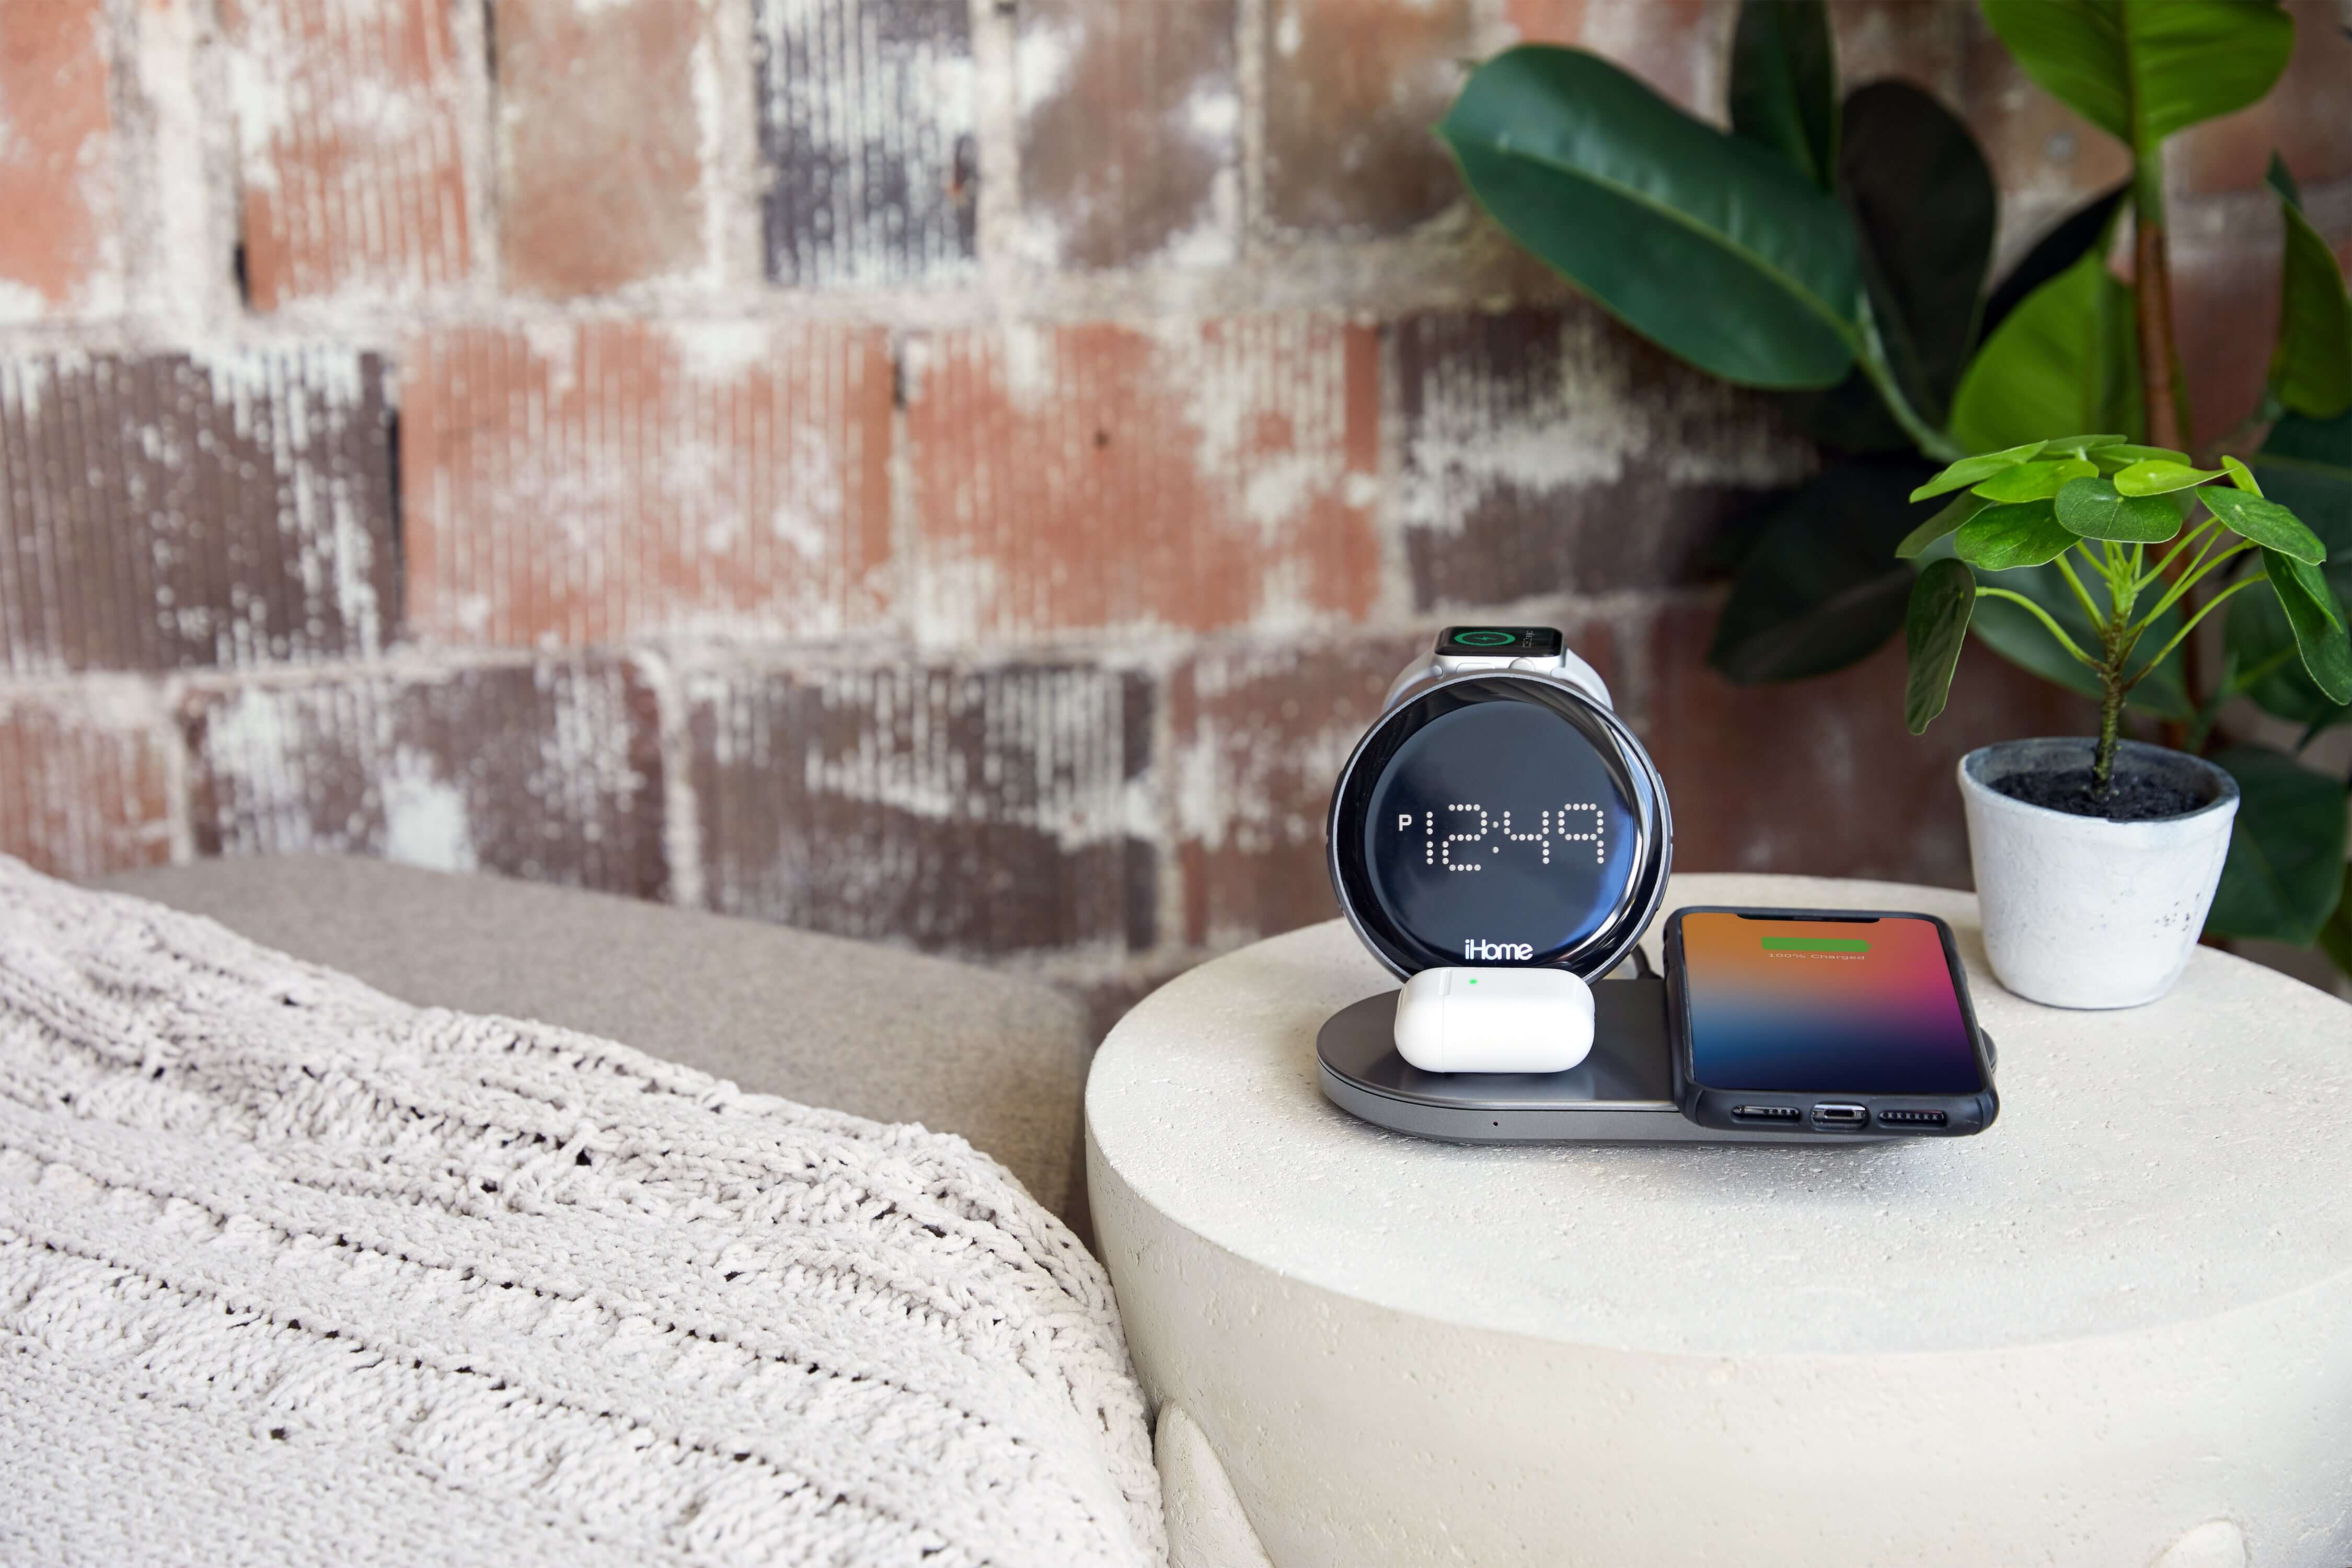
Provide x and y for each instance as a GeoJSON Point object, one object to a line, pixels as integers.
{"type": "Point", "coordinates": [2083, 912]}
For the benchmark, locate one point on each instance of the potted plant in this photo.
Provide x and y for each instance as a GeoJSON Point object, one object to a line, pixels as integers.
{"type": "Point", "coordinates": [1834, 246]}
{"type": "Point", "coordinates": [2096, 858]}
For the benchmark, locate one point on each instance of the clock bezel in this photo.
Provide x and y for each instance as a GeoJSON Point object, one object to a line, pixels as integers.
{"type": "Point", "coordinates": [1405, 954]}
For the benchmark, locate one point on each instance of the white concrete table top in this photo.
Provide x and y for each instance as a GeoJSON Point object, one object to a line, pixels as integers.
{"type": "Point", "coordinates": [2115, 1328]}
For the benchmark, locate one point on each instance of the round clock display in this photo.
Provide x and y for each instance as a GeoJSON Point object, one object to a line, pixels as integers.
{"type": "Point", "coordinates": [1500, 816]}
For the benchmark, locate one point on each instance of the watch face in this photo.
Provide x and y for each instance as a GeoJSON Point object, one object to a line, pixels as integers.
{"type": "Point", "coordinates": [1500, 641]}
{"type": "Point", "coordinates": [1499, 819]}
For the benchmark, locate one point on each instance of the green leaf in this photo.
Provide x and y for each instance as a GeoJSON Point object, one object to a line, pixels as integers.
{"type": "Point", "coordinates": [2065, 360]}
{"type": "Point", "coordinates": [2266, 523]}
{"type": "Point", "coordinates": [2034, 481]}
{"type": "Point", "coordinates": [2003, 538]}
{"type": "Point", "coordinates": [2305, 465]}
{"type": "Point", "coordinates": [1958, 511]}
{"type": "Point", "coordinates": [2240, 475]}
{"type": "Point", "coordinates": [2335, 935]}
{"type": "Point", "coordinates": [2311, 369]}
{"type": "Point", "coordinates": [2259, 636]}
{"type": "Point", "coordinates": [2160, 476]}
{"type": "Point", "coordinates": [2285, 870]}
{"type": "Point", "coordinates": [1933, 630]}
{"type": "Point", "coordinates": [2080, 232]}
{"type": "Point", "coordinates": [1820, 587]}
{"type": "Point", "coordinates": [1923, 201]}
{"type": "Point", "coordinates": [2094, 509]}
{"type": "Point", "coordinates": [2316, 595]}
{"type": "Point", "coordinates": [2017, 636]}
{"type": "Point", "coordinates": [2115, 459]}
{"type": "Point", "coordinates": [2141, 70]}
{"type": "Point", "coordinates": [1784, 83]}
{"type": "Point", "coordinates": [1969, 470]}
{"type": "Point", "coordinates": [1707, 244]}
{"type": "Point", "coordinates": [2277, 177]}
{"type": "Point", "coordinates": [2080, 445]}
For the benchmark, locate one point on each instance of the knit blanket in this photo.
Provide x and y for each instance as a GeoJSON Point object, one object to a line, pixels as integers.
{"type": "Point", "coordinates": [293, 1272]}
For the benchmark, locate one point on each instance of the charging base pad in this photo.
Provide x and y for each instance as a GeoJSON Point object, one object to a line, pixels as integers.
{"type": "Point", "coordinates": [1622, 1093]}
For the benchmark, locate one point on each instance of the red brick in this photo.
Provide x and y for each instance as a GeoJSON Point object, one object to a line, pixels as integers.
{"type": "Point", "coordinates": [1189, 476]}
{"type": "Point", "coordinates": [611, 479]}
{"type": "Point", "coordinates": [348, 123]}
{"type": "Point", "coordinates": [867, 123]}
{"type": "Point", "coordinates": [165, 511]}
{"type": "Point", "coordinates": [975, 811]}
{"type": "Point", "coordinates": [2307, 117]}
{"type": "Point", "coordinates": [602, 114]}
{"type": "Point", "coordinates": [83, 786]}
{"type": "Point", "coordinates": [60, 246]}
{"type": "Point", "coordinates": [1195, 476]}
{"type": "Point", "coordinates": [549, 772]}
{"type": "Point", "coordinates": [1352, 91]}
{"type": "Point", "coordinates": [1678, 47]}
{"type": "Point", "coordinates": [1820, 778]}
{"type": "Point", "coordinates": [1130, 129]}
{"type": "Point", "coordinates": [1544, 450]}
{"type": "Point", "coordinates": [1259, 737]}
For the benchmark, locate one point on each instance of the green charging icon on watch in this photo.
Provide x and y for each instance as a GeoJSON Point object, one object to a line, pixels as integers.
{"type": "Point", "coordinates": [1486, 638]}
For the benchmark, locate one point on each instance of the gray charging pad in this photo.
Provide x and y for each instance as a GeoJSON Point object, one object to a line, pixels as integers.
{"type": "Point", "coordinates": [1622, 1093]}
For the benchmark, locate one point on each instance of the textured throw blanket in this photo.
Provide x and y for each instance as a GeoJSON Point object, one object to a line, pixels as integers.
{"type": "Point", "coordinates": [292, 1272]}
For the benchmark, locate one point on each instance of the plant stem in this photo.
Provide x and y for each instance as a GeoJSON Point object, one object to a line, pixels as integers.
{"type": "Point", "coordinates": [2112, 692]}
{"type": "Point", "coordinates": [2042, 616]}
{"type": "Point", "coordinates": [2066, 570]}
{"type": "Point", "coordinates": [2211, 604]}
{"type": "Point", "coordinates": [1870, 353]}
{"type": "Point", "coordinates": [2164, 390]}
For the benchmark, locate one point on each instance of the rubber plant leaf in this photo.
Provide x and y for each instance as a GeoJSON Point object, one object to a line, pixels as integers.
{"type": "Point", "coordinates": [1922, 202]}
{"type": "Point", "coordinates": [1784, 85]}
{"type": "Point", "coordinates": [2080, 232]}
{"type": "Point", "coordinates": [1921, 197]}
{"type": "Point", "coordinates": [2141, 70]}
{"type": "Point", "coordinates": [2311, 369]}
{"type": "Point", "coordinates": [2285, 870]}
{"type": "Point", "coordinates": [1713, 247]}
{"type": "Point", "coordinates": [1820, 587]}
{"type": "Point", "coordinates": [1934, 627]}
{"type": "Point", "coordinates": [2065, 360]}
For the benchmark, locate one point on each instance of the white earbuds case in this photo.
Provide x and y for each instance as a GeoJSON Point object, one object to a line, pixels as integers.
{"type": "Point", "coordinates": [1493, 1020]}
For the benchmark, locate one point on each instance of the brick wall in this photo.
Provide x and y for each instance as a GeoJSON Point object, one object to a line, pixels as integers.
{"type": "Point", "coordinates": [956, 473]}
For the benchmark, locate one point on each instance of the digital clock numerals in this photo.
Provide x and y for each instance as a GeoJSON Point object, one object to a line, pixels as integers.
{"type": "Point", "coordinates": [1438, 848]}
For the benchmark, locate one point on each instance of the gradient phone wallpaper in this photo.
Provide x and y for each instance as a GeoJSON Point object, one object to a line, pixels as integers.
{"type": "Point", "coordinates": [1824, 1006]}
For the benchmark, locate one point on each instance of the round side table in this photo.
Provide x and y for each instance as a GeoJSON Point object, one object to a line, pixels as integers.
{"type": "Point", "coordinates": [2116, 1328]}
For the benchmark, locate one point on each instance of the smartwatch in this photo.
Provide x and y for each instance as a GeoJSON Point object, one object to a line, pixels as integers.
{"type": "Point", "coordinates": [1498, 812]}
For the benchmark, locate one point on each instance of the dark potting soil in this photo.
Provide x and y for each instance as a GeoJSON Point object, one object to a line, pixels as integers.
{"type": "Point", "coordinates": [2129, 798]}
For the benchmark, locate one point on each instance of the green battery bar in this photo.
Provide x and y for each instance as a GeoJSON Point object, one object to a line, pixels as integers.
{"type": "Point", "coordinates": [1815, 944]}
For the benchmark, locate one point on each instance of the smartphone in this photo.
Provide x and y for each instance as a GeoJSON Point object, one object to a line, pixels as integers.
{"type": "Point", "coordinates": [1824, 1023]}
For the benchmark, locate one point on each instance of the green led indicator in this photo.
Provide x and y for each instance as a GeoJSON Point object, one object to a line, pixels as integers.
{"type": "Point", "coordinates": [1815, 944]}
{"type": "Point", "coordinates": [1486, 639]}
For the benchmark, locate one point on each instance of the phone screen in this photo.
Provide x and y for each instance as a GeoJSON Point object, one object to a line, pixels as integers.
{"type": "Point", "coordinates": [1824, 1006]}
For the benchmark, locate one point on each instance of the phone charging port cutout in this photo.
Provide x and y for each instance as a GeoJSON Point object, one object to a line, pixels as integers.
{"type": "Point", "coordinates": [1835, 1113]}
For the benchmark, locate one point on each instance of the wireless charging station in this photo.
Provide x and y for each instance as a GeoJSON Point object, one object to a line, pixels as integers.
{"type": "Point", "coordinates": [1500, 724]}
{"type": "Point", "coordinates": [1622, 1093]}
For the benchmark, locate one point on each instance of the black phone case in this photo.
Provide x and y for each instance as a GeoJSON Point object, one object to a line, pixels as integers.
{"type": "Point", "coordinates": [1963, 1113]}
